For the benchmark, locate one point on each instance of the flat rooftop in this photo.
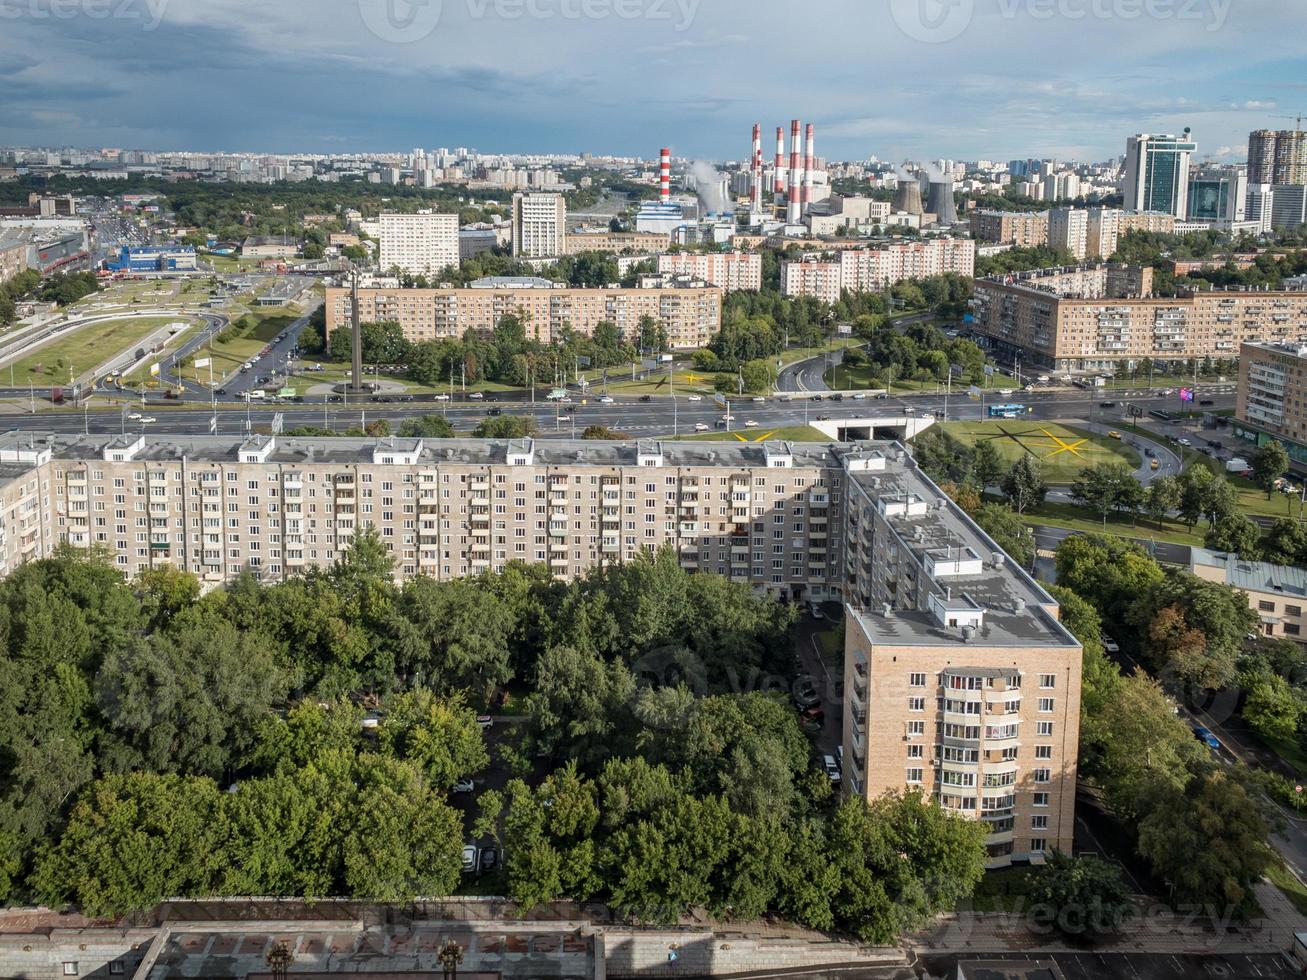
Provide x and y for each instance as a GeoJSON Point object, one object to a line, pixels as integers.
{"type": "Point", "coordinates": [1015, 605]}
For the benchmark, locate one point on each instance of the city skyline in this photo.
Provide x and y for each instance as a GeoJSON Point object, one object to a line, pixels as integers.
{"type": "Point", "coordinates": [541, 76]}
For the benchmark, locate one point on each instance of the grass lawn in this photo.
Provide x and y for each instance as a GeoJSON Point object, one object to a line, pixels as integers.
{"type": "Point", "coordinates": [1062, 450]}
{"type": "Point", "coordinates": [1290, 887]}
{"type": "Point", "coordinates": [1078, 519]}
{"type": "Point", "coordinates": [1177, 381]}
{"type": "Point", "coordinates": [794, 433]}
{"type": "Point", "coordinates": [831, 642]}
{"type": "Point", "coordinates": [88, 347]}
{"type": "Point", "coordinates": [842, 378]}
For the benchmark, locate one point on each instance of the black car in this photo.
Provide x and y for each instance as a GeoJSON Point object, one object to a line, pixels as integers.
{"type": "Point", "coordinates": [494, 411]}
{"type": "Point", "coordinates": [816, 398]}
{"type": "Point", "coordinates": [1207, 401]}
{"type": "Point", "coordinates": [1107, 405]}
{"type": "Point", "coordinates": [837, 398]}
{"type": "Point", "coordinates": [646, 398]}
{"type": "Point", "coordinates": [222, 391]}
{"type": "Point", "coordinates": [334, 398]}
{"type": "Point", "coordinates": [823, 418]}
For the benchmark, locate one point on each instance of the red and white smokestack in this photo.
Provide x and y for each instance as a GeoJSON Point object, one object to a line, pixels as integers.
{"type": "Point", "coordinates": [809, 164]}
{"type": "Point", "coordinates": [778, 186]}
{"type": "Point", "coordinates": [665, 176]}
{"type": "Point", "coordinates": [793, 205]}
{"type": "Point", "coordinates": [755, 181]}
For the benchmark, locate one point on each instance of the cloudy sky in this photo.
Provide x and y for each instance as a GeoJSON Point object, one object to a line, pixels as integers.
{"type": "Point", "coordinates": [891, 78]}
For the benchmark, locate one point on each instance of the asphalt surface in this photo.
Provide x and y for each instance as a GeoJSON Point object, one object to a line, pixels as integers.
{"type": "Point", "coordinates": [658, 417]}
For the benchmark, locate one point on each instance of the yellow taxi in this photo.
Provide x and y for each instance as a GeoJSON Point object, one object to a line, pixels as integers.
{"type": "Point", "coordinates": [1114, 434]}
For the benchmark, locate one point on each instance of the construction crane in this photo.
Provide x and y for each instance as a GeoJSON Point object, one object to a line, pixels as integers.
{"type": "Point", "coordinates": [1297, 121]}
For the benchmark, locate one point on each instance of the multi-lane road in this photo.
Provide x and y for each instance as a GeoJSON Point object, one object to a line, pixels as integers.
{"type": "Point", "coordinates": [659, 416]}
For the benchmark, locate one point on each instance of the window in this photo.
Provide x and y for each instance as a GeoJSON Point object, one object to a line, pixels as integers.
{"type": "Point", "coordinates": [916, 680]}
{"type": "Point", "coordinates": [1043, 751]}
{"type": "Point", "coordinates": [1041, 799]}
{"type": "Point", "coordinates": [1037, 845]}
{"type": "Point", "coordinates": [1039, 823]}
{"type": "Point", "coordinates": [1048, 681]}
{"type": "Point", "coordinates": [1266, 606]}
{"type": "Point", "coordinates": [911, 776]}
{"type": "Point", "coordinates": [1045, 704]}
{"type": "Point", "coordinates": [916, 751]}
{"type": "Point", "coordinates": [1044, 728]}
{"type": "Point", "coordinates": [916, 704]}
{"type": "Point", "coordinates": [1043, 775]}
{"type": "Point", "coordinates": [1293, 610]}
{"type": "Point", "coordinates": [70, 968]}
{"type": "Point", "coordinates": [916, 728]}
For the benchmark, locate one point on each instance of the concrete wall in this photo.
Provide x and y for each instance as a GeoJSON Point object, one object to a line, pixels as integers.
{"type": "Point", "coordinates": [697, 953]}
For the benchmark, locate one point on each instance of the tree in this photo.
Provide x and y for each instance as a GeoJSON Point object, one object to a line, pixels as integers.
{"type": "Point", "coordinates": [1024, 485]}
{"type": "Point", "coordinates": [427, 427]}
{"type": "Point", "coordinates": [1100, 487]}
{"type": "Point", "coordinates": [1236, 534]}
{"type": "Point", "coordinates": [1108, 572]}
{"type": "Point", "coordinates": [757, 375]}
{"type": "Point", "coordinates": [1207, 839]}
{"type": "Point", "coordinates": [1008, 532]}
{"type": "Point", "coordinates": [987, 465]}
{"type": "Point", "coordinates": [132, 841]}
{"type": "Point", "coordinates": [1269, 465]}
{"type": "Point", "coordinates": [505, 427]}
{"type": "Point", "coordinates": [1193, 628]}
{"type": "Point", "coordinates": [1195, 485]}
{"type": "Point", "coordinates": [1273, 708]}
{"type": "Point", "coordinates": [1161, 497]}
{"type": "Point", "coordinates": [1285, 543]}
{"type": "Point", "coordinates": [1082, 895]}
{"type": "Point", "coordinates": [602, 432]}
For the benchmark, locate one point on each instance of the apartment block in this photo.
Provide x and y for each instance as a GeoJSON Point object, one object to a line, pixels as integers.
{"type": "Point", "coordinates": [732, 271]}
{"type": "Point", "coordinates": [871, 270]}
{"type": "Point", "coordinates": [1277, 593]}
{"type": "Point", "coordinates": [1271, 404]}
{"type": "Point", "coordinates": [1068, 229]}
{"type": "Point", "coordinates": [1102, 233]}
{"type": "Point", "coordinates": [689, 315]}
{"type": "Point", "coordinates": [425, 243]}
{"type": "Point", "coordinates": [812, 277]}
{"type": "Point", "coordinates": [539, 225]}
{"type": "Point", "coordinates": [1096, 318]}
{"type": "Point", "coordinates": [959, 679]}
{"type": "Point", "coordinates": [1020, 228]}
{"type": "Point", "coordinates": [620, 242]}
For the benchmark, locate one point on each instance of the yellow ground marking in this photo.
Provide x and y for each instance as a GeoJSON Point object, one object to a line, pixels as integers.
{"type": "Point", "coordinates": [1062, 446]}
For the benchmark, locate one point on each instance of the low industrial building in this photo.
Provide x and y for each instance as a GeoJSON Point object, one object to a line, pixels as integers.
{"type": "Point", "coordinates": [180, 258]}
{"type": "Point", "coordinates": [1276, 593]}
{"type": "Point", "coordinates": [256, 247]}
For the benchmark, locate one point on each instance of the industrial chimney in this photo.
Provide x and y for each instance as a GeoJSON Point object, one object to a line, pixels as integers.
{"type": "Point", "coordinates": [794, 207]}
{"type": "Point", "coordinates": [755, 181]}
{"type": "Point", "coordinates": [665, 176]}
{"type": "Point", "coordinates": [778, 185]}
{"type": "Point", "coordinates": [809, 162]}
{"type": "Point", "coordinates": [941, 203]}
{"type": "Point", "coordinates": [908, 197]}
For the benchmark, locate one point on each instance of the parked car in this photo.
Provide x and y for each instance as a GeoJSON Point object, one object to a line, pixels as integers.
{"type": "Point", "coordinates": [470, 859]}
{"type": "Point", "coordinates": [815, 609]}
{"type": "Point", "coordinates": [464, 786]}
{"type": "Point", "coordinates": [831, 768]}
{"type": "Point", "coordinates": [812, 716]}
{"type": "Point", "coordinates": [805, 695]}
{"type": "Point", "coordinates": [1205, 735]}
{"type": "Point", "coordinates": [488, 858]}
{"type": "Point", "coordinates": [1109, 644]}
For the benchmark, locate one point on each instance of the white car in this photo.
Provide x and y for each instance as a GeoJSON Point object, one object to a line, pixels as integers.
{"type": "Point", "coordinates": [134, 417]}
{"type": "Point", "coordinates": [477, 395]}
{"type": "Point", "coordinates": [728, 418]}
{"type": "Point", "coordinates": [606, 400]}
{"type": "Point", "coordinates": [831, 768]}
{"type": "Point", "coordinates": [148, 419]}
{"type": "Point", "coordinates": [1184, 442]}
{"type": "Point", "coordinates": [442, 398]}
{"type": "Point", "coordinates": [694, 398]}
{"type": "Point", "coordinates": [471, 856]}
{"type": "Point", "coordinates": [751, 424]}
{"type": "Point", "coordinates": [858, 396]}
{"type": "Point", "coordinates": [464, 786]}
{"type": "Point", "coordinates": [1109, 644]}
{"type": "Point", "coordinates": [701, 427]}
{"type": "Point", "coordinates": [759, 398]}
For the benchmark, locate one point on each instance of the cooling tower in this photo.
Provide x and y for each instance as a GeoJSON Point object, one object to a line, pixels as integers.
{"type": "Point", "coordinates": [908, 198]}
{"type": "Point", "coordinates": [940, 202]}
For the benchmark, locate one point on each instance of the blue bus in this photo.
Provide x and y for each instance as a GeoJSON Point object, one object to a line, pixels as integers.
{"type": "Point", "coordinates": [1007, 411]}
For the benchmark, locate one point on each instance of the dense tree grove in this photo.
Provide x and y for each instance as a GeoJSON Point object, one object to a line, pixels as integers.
{"type": "Point", "coordinates": [302, 738]}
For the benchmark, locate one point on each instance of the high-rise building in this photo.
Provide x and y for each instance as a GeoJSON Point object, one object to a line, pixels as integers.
{"type": "Point", "coordinates": [1260, 205]}
{"type": "Point", "coordinates": [1068, 229]}
{"type": "Point", "coordinates": [1272, 397]}
{"type": "Point", "coordinates": [425, 243]}
{"type": "Point", "coordinates": [539, 225]}
{"type": "Point", "coordinates": [1218, 195]}
{"type": "Point", "coordinates": [1103, 233]}
{"type": "Point", "coordinates": [1157, 173]}
{"type": "Point", "coordinates": [1288, 205]}
{"type": "Point", "coordinates": [1261, 157]}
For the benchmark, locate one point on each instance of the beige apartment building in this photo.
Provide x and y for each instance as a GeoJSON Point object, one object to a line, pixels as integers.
{"type": "Point", "coordinates": [633, 242]}
{"type": "Point", "coordinates": [732, 271]}
{"type": "Point", "coordinates": [689, 315]}
{"type": "Point", "coordinates": [874, 269]}
{"type": "Point", "coordinates": [1097, 318]}
{"type": "Point", "coordinates": [1271, 404]}
{"type": "Point", "coordinates": [1020, 228]}
{"type": "Point", "coordinates": [959, 680]}
{"type": "Point", "coordinates": [1276, 593]}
